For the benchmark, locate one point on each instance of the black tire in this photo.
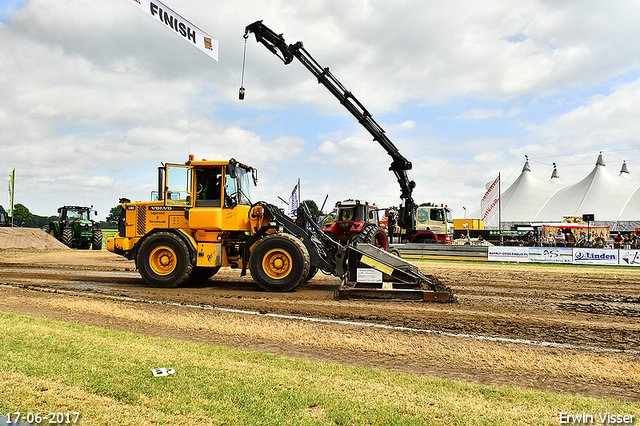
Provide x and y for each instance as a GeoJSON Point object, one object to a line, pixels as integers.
{"type": "Point", "coordinates": [203, 273]}
{"type": "Point", "coordinates": [424, 239]}
{"type": "Point", "coordinates": [279, 262]}
{"type": "Point", "coordinates": [54, 230]}
{"type": "Point", "coordinates": [96, 240]}
{"type": "Point", "coordinates": [67, 237]}
{"type": "Point", "coordinates": [313, 270]}
{"type": "Point", "coordinates": [371, 234]}
{"type": "Point", "coordinates": [163, 260]}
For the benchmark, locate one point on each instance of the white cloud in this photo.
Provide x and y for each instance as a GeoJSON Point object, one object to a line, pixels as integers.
{"type": "Point", "coordinates": [96, 94]}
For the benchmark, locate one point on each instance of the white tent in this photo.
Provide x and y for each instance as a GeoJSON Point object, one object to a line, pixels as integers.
{"type": "Point", "coordinates": [613, 199]}
{"type": "Point", "coordinates": [601, 193]}
{"type": "Point", "coordinates": [527, 195]}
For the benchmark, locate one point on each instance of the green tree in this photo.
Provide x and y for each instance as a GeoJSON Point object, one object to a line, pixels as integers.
{"type": "Point", "coordinates": [313, 208]}
{"type": "Point", "coordinates": [114, 215]}
{"type": "Point", "coordinates": [21, 214]}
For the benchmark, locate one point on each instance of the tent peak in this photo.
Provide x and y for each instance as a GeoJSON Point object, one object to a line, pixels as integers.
{"type": "Point", "coordinates": [624, 168]}
{"type": "Point", "coordinates": [600, 161]}
{"type": "Point", "coordinates": [555, 174]}
{"type": "Point", "coordinates": [526, 167]}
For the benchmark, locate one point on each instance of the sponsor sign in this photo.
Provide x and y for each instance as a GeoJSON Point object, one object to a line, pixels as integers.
{"type": "Point", "coordinates": [551, 254]}
{"type": "Point", "coordinates": [508, 254]}
{"type": "Point", "coordinates": [629, 257]}
{"type": "Point", "coordinates": [587, 256]}
{"type": "Point", "coordinates": [367, 275]}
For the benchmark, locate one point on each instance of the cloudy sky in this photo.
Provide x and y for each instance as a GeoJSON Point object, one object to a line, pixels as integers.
{"type": "Point", "coordinates": [95, 94]}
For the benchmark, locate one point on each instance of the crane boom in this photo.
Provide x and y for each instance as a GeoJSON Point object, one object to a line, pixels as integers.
{"type": "Point", "coordinates": [276, 44]}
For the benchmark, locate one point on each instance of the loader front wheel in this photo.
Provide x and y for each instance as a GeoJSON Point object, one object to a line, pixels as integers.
{"type": "Point", "coordinates": [279, 262]}
{"type": "Point", "coordinates": [163, 260]}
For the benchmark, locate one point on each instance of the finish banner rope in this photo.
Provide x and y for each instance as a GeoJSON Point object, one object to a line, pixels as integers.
{"type": "Point", "coordinates": [179, 25]}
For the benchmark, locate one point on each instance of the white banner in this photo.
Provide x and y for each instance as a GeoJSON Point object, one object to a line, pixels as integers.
{"type": "Point", "coordinates": [629, 257]}
{"type": "Point", "coordinates": [490, 204]}
{"type": "Point", "coordinates": [551, 254]}
{"type": "Point", "coordinates": [179, 25]}
{"type": "Point", "coordinates": [294, 201]}
{"type": "Point", "coordinates": [507, 254]}
{"type": "Point", "coordinates": [591, 256]}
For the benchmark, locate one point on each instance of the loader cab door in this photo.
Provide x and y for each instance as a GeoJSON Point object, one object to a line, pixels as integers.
{"type": "Point", "coordinates": [236, 186]}
{"type": "Point", "coordinates": [178, 185]}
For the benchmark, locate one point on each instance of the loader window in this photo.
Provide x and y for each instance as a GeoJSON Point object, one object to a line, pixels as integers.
{"type": "Point", "coordinates": [236, 189]}
{"type": "Point", "coordinates": [208, 187]}
{"type": "Point", "coordinates": [178, 186]}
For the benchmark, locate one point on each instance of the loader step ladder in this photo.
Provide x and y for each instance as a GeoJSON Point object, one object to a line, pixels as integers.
{"type": "Point", "coordinates": [401, 280]}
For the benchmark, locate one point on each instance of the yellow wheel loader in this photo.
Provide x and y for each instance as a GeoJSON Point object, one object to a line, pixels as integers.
{"type": "Point", "coordinates": [203, 220]}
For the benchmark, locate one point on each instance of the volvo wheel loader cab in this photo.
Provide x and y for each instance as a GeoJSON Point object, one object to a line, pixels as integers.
{"type": "Point", "coordinates": [75, 228]}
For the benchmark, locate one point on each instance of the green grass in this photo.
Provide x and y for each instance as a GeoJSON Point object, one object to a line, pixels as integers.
{"type": "Point", "coordinates": [49, 366]}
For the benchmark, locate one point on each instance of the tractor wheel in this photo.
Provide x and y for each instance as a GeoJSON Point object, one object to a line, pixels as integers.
{"type": "Point", "coordinates": [279, 262]}
{"type": "Point", "coordinates": [372, 234]}
{"type": "Point", "coordinates": [67, 237]}
{"type": "Point", "coordinates": [54, 230]}
{"type": "Point", "coordinates": [163, 260]}
{"type": "Point", "coordinates": [96, 240]}
{"type": "Point", "coordinates": [203, 273]}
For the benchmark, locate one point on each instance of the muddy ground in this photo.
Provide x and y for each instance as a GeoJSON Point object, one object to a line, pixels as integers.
{"type": "Point", "coordinates": [585, 306]}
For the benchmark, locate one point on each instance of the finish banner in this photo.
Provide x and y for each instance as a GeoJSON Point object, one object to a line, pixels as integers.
{"type": "Point", "coordinates": [179, 25]}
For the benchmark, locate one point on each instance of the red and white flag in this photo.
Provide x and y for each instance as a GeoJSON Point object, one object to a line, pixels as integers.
{"type": "Point", "coordinates": [490, 204]}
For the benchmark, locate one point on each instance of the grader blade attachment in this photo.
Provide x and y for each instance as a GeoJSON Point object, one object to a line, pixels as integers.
{"type": "Point", "coordinates": [375, 274]}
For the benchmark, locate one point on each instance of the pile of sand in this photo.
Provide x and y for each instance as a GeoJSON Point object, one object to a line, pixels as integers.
{"type": "Point", "coordinates": [28, 239]}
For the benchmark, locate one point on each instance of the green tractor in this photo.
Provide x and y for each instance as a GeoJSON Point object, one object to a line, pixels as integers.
{"type": "Point", "coordinates": [74, 228]}
{"type": "Point", "coordinates": [4, 217]}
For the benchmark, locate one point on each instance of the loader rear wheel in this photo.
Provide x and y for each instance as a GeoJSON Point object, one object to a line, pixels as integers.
{"type": "Point", "coordinates": [279, 262]}
{"type": "Point", "coordinates": [163, 260]}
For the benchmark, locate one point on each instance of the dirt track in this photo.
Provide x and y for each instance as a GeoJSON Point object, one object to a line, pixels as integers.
{"type": "Point", "coordinates": [586, 307]}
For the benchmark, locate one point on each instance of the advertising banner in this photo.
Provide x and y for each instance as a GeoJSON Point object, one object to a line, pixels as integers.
{"type": "Point", "coordinates": [508, 254]}
{"type": "Point", "coordinates": [589, 256]}
{"type": "Point", "coordinates": [629, 257]}
{"type": "Point", "coordinates": [551, 254]}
